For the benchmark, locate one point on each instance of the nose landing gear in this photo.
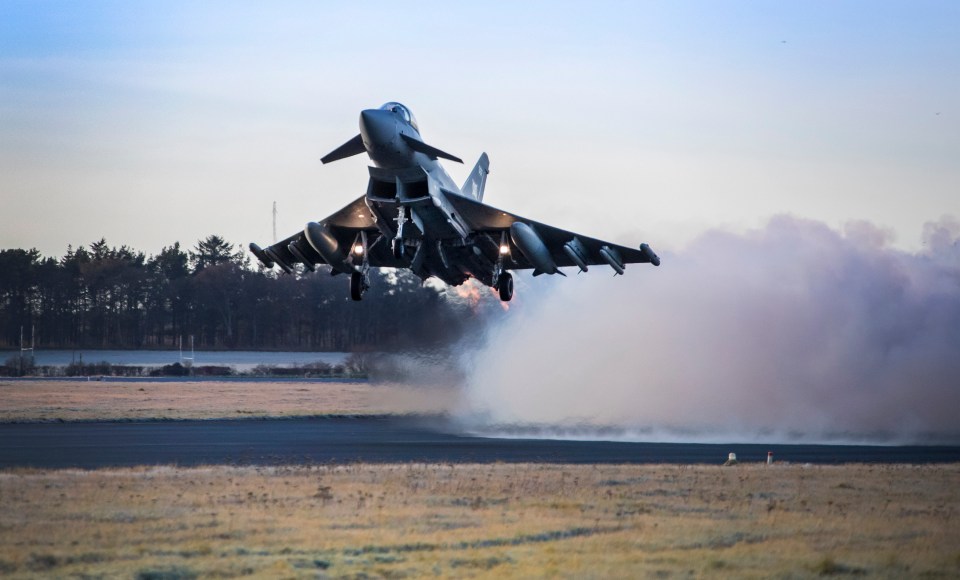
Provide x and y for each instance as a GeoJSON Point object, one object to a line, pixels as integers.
{"type": "Point", "coordinates": [399, 250]}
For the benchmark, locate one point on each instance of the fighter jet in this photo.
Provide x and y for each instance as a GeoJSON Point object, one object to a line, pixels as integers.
{"type": "Point", "coordinates": [414, 216]}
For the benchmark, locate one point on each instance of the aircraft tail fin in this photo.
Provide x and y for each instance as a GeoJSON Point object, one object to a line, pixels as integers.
{"type": "Point", "coordinates": [473, 186]}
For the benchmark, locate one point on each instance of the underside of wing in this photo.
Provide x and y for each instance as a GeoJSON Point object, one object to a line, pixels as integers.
{"type": "Point", "coordinates": [333, 241]}
{"type": "Point", "coordinates": [564, 248]}
{"type": "Point", "coordinates": [355, 216]}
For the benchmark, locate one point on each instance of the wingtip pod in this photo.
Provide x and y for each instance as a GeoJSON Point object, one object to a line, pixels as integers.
{"type": "Point", "coordinates": [654, 259]}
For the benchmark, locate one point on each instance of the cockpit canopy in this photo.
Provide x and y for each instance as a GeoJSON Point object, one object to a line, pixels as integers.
{"type": "Point", "coordinates": [403, 111]}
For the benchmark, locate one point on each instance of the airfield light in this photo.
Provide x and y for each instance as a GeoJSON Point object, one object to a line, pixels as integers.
{"type": "Point", "coordinates": [358, 249]}
{"type": "Point", "coordinates": [504, 249]}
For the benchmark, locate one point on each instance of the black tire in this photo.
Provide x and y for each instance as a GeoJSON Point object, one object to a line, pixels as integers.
{"type": "Point", "coordinates": [505, 286]}
{"type": "Point", "coordinates": [356, 286]}
{"type": "Point", "coordinates": [398, 249]}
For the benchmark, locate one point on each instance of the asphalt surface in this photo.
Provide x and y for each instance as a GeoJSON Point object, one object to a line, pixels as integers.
{"type": "Point", "coordinates": [377, 440]}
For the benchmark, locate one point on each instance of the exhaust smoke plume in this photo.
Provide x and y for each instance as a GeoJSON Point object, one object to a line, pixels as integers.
{"type": "Point", "coordinates": [793, 332]}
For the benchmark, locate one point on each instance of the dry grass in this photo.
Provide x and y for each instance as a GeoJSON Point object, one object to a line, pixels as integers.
{"type": "Point", "coordinates": [81, 400]}
{"type": "Point", "coordinates": [483, 521]}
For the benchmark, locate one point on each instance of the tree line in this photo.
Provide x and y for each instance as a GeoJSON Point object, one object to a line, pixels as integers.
{"type": "Point", "coordinates": [116, 297]}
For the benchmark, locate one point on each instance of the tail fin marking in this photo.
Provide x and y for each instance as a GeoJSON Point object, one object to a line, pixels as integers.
{"type": "Point", "coordinates": [477, 180]}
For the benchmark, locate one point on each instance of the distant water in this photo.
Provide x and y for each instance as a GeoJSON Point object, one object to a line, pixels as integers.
{"type": "Point", "coordinates": [240, 360]}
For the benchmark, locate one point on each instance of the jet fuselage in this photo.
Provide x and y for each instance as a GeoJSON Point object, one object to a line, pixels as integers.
{"type": "Point", "coordinates": [417, 216]}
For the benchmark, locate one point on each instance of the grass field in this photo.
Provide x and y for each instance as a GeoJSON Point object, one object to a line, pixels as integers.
{"type": "Point", "coordinates": [81, 400]}
{"type": "Point", "coordinates": [495, 520]}
{"type": "Point", "coordinates": [393, 521]}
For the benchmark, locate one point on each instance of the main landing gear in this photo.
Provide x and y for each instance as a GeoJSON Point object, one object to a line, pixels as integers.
{"type": "Point", "coordinates": [359, 278]}
{"type": "Point", "coordinates": [505, 286]}
{"type": "Point", "coordinates": [358, 285]}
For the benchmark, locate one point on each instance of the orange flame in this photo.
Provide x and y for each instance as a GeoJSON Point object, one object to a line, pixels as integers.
{"type": "Point", "coordinates": [469, 292]}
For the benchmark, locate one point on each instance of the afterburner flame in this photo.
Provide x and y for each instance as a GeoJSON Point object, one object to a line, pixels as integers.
{"type": "Point", "coordinates": [469, 291]}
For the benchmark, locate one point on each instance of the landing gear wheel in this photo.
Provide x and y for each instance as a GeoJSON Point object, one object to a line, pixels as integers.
{"type": "Point", "coordinates": [357, 286]}
{"type": "Point", "coordinates": [398, 249]}
{"type": "Point", "coordinates": [505, 286]}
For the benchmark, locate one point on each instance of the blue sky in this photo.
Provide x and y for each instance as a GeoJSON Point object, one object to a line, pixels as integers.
{"type": "Point", "coordinates": [150, 123]}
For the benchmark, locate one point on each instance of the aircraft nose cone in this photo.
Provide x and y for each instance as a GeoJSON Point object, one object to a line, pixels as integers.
{"type": "Point", "coordinates": [377, 127]}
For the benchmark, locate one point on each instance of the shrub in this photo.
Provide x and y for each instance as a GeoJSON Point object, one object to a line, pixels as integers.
{"type": "Point", "coordinates": [15, 367]}
{"type": "Point", "coordinates": [174, 370]}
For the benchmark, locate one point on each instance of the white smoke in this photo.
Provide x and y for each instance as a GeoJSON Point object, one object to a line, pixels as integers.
{"type": "Point", "coordinates": [795, 331]}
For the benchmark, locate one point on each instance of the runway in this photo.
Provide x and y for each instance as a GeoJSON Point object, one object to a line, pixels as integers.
{"type": "Point", "coordinates": [91, 445]}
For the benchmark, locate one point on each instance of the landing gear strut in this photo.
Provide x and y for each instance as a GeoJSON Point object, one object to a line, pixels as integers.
{"type": "Point", "coordinates": [398, 249]}
{"type": "Point", "coordinates": [505, 286]}
{"type": "Point", "coordinates": [358, 285]}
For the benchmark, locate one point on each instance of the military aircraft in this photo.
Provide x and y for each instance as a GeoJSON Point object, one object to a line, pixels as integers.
{"type": "Point", "coordinates": [414, 216]}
